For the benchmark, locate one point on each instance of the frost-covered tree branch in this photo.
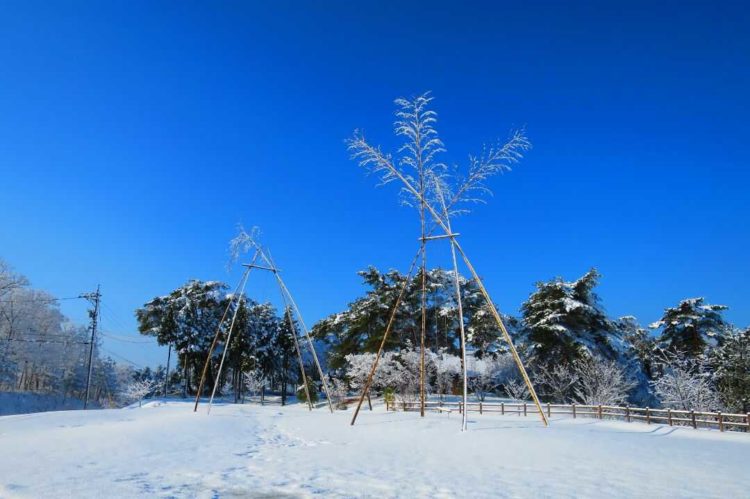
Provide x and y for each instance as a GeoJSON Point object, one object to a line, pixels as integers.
{"type": "Point", "coordinates": [137, 390]}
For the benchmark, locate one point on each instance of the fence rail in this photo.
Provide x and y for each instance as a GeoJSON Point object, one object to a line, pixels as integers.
{"type": "Point", "coordinates": [672, 417]}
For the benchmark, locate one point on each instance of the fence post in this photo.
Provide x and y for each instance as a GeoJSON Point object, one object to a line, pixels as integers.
{"type": "Point", "coordinates": [574, 411]}
{"type": "Point", "coordinates": [549, 410]}
{"type": "Point", "coordinates": [461, 407]}
{"type": "Point", "coordinates": [480, 408]}
{"type": "Point", "coordinates": [524, 408]}
{"type": "Point", "coordinates": [627, 413]}
{"type": "Point", "coordinates": [721, 422]}
{"type": "Point", "coordinates": [600, 411]}
{"type": "Point", "coordinates": [648, 416]}
{"type": "Point", "coordinates": [747, 420]}
{"type": "Point", "coordinates": [502, 408]}
{"type": "Point", "coordinates": [692, 417]}
{"type": "Point", "coordinates": [404, 405]}
{"type": "Point", "coordinates": [669, 416]}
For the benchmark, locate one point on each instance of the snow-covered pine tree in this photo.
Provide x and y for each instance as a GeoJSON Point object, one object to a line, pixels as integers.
{"type": "Point", "coordinates": [691, 327]}
{"type": "Point", "coordinates": [730, 363]}
{"type": "Point", "coordinates": [187, 318]}
{"type": "Point", "coordinates": [566, 322]}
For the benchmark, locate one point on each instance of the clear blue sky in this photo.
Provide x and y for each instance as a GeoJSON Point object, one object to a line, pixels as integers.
{"type": "Point", "coordinates": [135, 135]}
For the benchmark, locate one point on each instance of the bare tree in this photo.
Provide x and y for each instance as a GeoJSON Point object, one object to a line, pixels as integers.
{"type": "Point", "coordinates": [557, 382]}
{"type": "Point", "coordinates": [137, 390]}
{"type": "Point", "coordinates": [601, 382]}
{"type": "Point", "coordinates": [685, 385]}
{"type": "Point", "coordinates": [516, 389]}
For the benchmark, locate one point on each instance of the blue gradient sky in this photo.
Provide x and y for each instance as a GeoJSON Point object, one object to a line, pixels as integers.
{"type": "Point", "coordinates": [135, 135]}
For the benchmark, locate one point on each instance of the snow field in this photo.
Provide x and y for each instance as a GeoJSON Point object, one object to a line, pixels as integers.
{"type": "Point", "coordinates": [165, 450]}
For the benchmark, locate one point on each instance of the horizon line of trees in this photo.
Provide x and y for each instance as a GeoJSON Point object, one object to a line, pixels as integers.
{"type": "Point", "coordinates": [691, 358]}
{"type": "Point", "coordinates": [261, 353]}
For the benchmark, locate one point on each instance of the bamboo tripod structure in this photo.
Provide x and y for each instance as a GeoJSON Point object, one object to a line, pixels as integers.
{"type": "Point", "coordinates": [443, 221]}
{"type": "Point", "coordinates": [287, 300]}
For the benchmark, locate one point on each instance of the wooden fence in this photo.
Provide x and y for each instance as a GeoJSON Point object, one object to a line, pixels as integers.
{"type": "Point", "coordinates": [672, 417]}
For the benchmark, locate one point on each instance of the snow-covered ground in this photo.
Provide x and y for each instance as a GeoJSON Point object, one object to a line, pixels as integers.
{"type": "Point", "coordinates": [165, 450]}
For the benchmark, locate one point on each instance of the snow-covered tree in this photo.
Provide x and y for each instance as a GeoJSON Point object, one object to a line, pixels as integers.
{"type": "Point", "coordinates": [685, 385]}
{"type": "Point", "coordinates": [188, 319]}
{"type": "Point", "coordinates": [137, 390]}
{"type": "Point", "coordinates": [516, 389]}
{"type": "Point", "coordinates": [566, 322]}
{"type": "Point", "coordinates": [691, 326]}
{"type": "Point", "coordinates": [254, 381]}
{"type": "Point", "coordinates": [556, 383]}
{"type": "Point", "coordinates": [730, 363]}
{"type": "Point", "coordinates": [600, 381]}
{"type": "Point", "coordinates": [487, 374]}
{"type": "Point", "coordinates": [447, 371]}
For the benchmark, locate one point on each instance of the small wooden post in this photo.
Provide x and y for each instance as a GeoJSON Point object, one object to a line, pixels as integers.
{"type": "Point", "coordinates": [461, 407]}
{"type": "Point", "coordinates": [721, 422]}
{"type": "Point", "coordinates": [574, 411]}
{"type": "Point", "coordinates": [480, 408]}
{"type": "Point", "coordinates": [669, 416]}
{"type": "Point", "coordinates": [648, 416]}
{"type": "Point", "coordinates": [404, 405]}
{"type": "Point", "coordinates": [502, 409]}
{"type": "Point", "coordinates": [747, 420]}
{"type": "Point", "coordinates": [692, 417]}
{"type": "Point", "coordinates": [549, 410]}
{"type": "Point", "coordinates": [524, 408]}
{"type": "Point", "coordinates": [600, 411]}
{"type": "Point", "coordinates": [627, 413]}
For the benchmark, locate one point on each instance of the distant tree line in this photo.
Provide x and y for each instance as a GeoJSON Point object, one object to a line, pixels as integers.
{"type": "Point", "coordinates": [262, 344]}
{"type": "Point", "coordinates": [692, 358]}
{"type": "Point", "coordinates": [41, 351]}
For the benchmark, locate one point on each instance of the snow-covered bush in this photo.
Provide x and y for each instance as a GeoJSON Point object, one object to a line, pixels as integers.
{"type": "Point", "coordinates": [447, 369]}
{"type": "Point", "coordinates": [516, 389]}
{"type": "Point", "coordinates": [138, 390]}
{"type": "Point", "coordinates": [338, 390]}
{"type": "Point", "coordinates": [302, 393]}
{"type": "Point", "coordinates": [487, 374]}
{"type": "Point", "coordinates": [557, 382]}
{"type": "Point", "coordinates": [254, 381]}
{"type": "Point", "coordinates": [600, 382]}
{"type": "Point", "coordinates": [685, 386]}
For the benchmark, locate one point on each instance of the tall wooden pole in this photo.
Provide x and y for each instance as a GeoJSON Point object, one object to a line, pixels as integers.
{"type": "Point", "coordinates": [228, 341]}
{"type": "Point", "coordinates": [424, 317]}
{"type": "Point", "coordinates": [166, 375]}
{"type": "Point", "coordinates": [506, 335]}
{"type": "Point", "coordinates": [368, 383]}
{"type": "Point", "coordinates": [459, 302]}
{"type": "Point", "coordinates": [288, 310]}
{"type": "Point", "coordinates": [494, 311]}
{"type": "Point", "coordinates": [309, 341]}
{"type": "Point", "coordinates": [285, 291]}
{"type": "Point", "coordinates": [216, 336]}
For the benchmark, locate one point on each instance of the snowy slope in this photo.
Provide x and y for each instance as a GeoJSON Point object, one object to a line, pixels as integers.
{"type": "Point", "coordinates": [165, 450]}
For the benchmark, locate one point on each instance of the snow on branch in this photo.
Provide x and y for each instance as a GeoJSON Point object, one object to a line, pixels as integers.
{"type": "Point", "coordinates": [425, 178]}
{"type": "Point", "coordinates": [242, 243]}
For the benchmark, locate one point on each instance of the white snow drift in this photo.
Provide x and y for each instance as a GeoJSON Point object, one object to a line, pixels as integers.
{"type": "Point", "coordinates": [165, 450]}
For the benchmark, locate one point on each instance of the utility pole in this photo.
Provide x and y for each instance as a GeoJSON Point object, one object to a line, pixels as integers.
{"type": "Point", "coordinates": [166, 375]}
{"type": "Point", "coordinates": [94, 298]}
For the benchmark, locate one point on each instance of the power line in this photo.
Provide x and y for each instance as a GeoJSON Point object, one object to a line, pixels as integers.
{"type": "Point", "coordinates": [142, 341]}
{"type": "Point", "coordinates": [122, 358]}
{"type": "Point", "coordinates": [39, 300]}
